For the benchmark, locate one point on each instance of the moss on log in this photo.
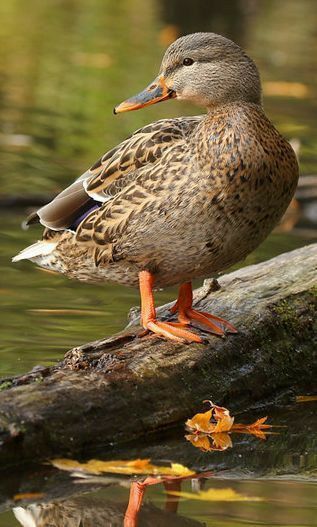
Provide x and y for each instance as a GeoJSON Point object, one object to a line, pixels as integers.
{"type": "Point", "coordinates": [124, 387]}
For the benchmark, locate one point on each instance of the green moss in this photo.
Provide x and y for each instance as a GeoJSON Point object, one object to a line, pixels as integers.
{"type": "Point", "coordinates": [314, 291]}
{"type": "Point", "coordinates": [297, 313]}
{"type": "Point", "coordinates": [5, 385]}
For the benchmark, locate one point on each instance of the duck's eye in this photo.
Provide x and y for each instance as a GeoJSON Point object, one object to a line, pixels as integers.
{"type": "Point", "coordinates": [188, 62]}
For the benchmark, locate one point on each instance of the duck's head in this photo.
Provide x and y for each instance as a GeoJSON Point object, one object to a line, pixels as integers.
{"type": "Point", "coordinates": [205, 69]}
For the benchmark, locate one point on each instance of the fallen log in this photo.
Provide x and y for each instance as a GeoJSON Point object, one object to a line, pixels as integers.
{"type": "Point", "coordinates": [124, 387]}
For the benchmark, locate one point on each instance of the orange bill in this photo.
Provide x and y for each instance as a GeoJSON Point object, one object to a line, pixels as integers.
{"type": "Point", "coordinates": [157, 91]}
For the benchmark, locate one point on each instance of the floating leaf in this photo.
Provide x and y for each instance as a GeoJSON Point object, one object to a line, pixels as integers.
{"type": "Point", "coordinates": [201, 422]}
{"type": "Point", "coordinates": [217, 419]}
{"type": "Point", "coordinates": [258, 428]}
{"type": "Point", "coordinates": [137, 466]}
{"type": "Point", "coordinates": [215, 495]}
{"type": "Point", "coordinates": [206, 429]}
{"type": "Point", "coordinates": [306, 398]}
{"type": "Point", "coordinates": [223, 418]}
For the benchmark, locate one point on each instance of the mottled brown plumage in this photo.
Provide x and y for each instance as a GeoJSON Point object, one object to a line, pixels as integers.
{"type": "Point", "coordinates": [181, 198]}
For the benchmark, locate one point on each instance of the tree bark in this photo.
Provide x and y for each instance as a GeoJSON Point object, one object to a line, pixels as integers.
{"type": "Point", "coordinates": [124, 387]}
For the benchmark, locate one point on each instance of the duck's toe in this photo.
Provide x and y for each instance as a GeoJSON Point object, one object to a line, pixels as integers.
{"type": "Point", "coordinates": [206, 322]}
{"type": "Point", "coordinates": [172, 331]}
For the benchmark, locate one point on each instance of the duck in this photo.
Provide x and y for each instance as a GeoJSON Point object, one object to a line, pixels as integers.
{"type": "Point", "coordinates": [181, 198]}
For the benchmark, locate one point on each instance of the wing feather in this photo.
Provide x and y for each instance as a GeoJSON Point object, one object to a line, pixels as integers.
{"type": "Point", "coordinates": [144, 147]}
{"type": "Point", "coordinates": [115, 170]}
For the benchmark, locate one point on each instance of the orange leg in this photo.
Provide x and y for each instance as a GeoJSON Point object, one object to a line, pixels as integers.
{"type": "Point", "coordinates": [169, 330]}
{"type": "Point", "coordinates": [137, 491]}
{"type": "Point", "coordinates": [206, 321]}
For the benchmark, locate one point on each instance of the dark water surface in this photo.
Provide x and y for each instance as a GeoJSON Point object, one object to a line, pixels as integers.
{"type": "Point", "coordinates": [253, 482]}
{"type": "Point", "coordinates": [64, 64]}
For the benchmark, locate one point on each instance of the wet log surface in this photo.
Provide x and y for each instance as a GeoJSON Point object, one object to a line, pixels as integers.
{"type": "Point", "coordinates": [124, 387]}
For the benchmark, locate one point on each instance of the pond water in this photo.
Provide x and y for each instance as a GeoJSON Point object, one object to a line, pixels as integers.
{"type": "Point", "coordinates": [64, 65]}
{"type": "Point", "coordinates": [251, 482]}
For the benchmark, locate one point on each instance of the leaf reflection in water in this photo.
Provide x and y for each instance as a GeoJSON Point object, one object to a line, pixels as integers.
{"type": "Point", "coordinates": [210, 430]}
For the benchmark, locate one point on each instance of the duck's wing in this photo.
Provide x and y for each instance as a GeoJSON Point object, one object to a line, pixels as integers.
{"type": "Point", "coordinates": [113, 171]}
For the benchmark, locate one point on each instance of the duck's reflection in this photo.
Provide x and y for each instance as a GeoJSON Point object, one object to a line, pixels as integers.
{"type": "Point", "coordinates": [92, 511]}
{"type": "Point", "coordinates": [95, 511]}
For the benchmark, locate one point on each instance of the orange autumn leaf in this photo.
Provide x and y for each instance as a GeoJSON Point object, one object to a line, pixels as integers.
{"type": "Point", "coordinates": [258, 428]}
{"type": "Point", "coordinates": [216, 420]}
{"type": "Point", "coordinates": [134, 467]}
{"type": "Point", "coordinates": [201, 423]}
{"type": "Point", "coordinates": [223, 418]}
{"type": "Point", "coordinates": [306, 398]}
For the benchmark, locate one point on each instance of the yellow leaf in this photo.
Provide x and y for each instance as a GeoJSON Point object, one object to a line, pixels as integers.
{"type": "Point", "coordinates": [258, 428]}
{"type": "Point", "coordinates": [137, 466]}
{"type": "Point", "coordinates": [224, 419]}
{"type": "Point", "coordinates": [217, 419]}
{"type": "Point", "coordinates": [306, 398]}
{"type": "Point", "coordinates": [201, 422]}
{"type": "Point", "coordinates": [215, 495]}
{"type": "Point", "coordinates": [177, 470]}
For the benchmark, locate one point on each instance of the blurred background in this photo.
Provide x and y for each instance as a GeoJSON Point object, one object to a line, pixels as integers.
{"type": "Point", "coordinates": [64, 65]}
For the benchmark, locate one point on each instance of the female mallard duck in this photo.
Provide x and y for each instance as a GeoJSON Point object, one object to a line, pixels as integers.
{"type": "Point", "coordinates": [180, 198]}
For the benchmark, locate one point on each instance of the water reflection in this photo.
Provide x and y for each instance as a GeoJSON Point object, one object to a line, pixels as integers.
{"type": "Point", "coordinates": [177, 503]}
{"type": "Point", "coordinates": [98, 511]}
{"type": "Point", "coordinates": [249, 483]}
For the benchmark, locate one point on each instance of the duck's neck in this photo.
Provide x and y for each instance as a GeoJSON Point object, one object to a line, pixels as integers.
{"type": "Point", "coordinates": [238, 102]}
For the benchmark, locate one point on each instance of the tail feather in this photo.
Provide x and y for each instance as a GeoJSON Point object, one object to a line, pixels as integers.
{"type": "Point", "coordinates": [38, 249]}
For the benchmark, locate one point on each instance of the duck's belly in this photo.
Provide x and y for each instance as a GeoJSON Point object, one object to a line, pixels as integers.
{"type": "Point", "coordinates": [211, 252]}
{"type": "Point", "coordinates": [198, 242]}
{"type": "Point", "coordinates": [176, 250]}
